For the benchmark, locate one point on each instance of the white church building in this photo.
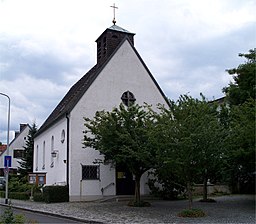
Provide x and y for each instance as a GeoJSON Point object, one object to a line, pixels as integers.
{"type": "Point", "coordinates": [119, 75]}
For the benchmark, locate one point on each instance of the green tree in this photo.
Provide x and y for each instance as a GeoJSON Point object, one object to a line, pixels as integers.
{"type": "Point", "coordinates": [123, 137]}
{"type": "Point", "coordinates": [26, 163]}
{"type": "Point", "coordinates": [241, 124]}
{"type": "Point", "coordinates": [192, 140]}
{"type": "Point", "coordinates": [244, 85]}
{"type": "Point", "coordinates": [241, 147]}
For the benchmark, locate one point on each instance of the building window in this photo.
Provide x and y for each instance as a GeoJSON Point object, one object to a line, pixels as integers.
{"type": "Point", "coordinates": [128, 98]}
{"type": "Point", "coordinates": [52, 149]}
{"type": "Point", "coordinates": [62, 137]}
{"type": "Point", "coordinates": [37, 152]}
{"type": "Point", "coordinates": [43, 167]}
{"type": "Point", "coordinates": [90, 172]}
{"type": "Point", "coordinates": [18, 153]}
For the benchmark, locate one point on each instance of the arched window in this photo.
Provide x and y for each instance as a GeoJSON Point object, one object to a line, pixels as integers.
{"type": "Point", "coordinates": [52, 149]}
{"type": "Point", "coordinates": [43, 156]}
{"type": "Point", "coordinates": [52, 143]}
{"type": "Point", "coordinates": [62, 137]}
{"type": "Point", "coordinates": [37, 152]}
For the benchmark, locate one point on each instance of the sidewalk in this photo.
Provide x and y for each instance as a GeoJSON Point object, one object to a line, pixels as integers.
{"type": "Point", "coordinates": [228, 209]}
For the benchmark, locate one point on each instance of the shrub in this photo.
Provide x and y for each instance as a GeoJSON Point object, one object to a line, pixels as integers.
{"type": "Point", "coordinates": [19, 195]}
{"type": "Point", "coordinates": [15, 195]}
{"type": "Point", "coordinates": [192, 213]}
{"type": "Point", "coordinates": [56, 194]}
{"type": "Point", "coordinates": [165, 188]}
{"type": "Point", "coordinates": [8, 217]}
{"type": "Point", "coordinates": [38, 196]}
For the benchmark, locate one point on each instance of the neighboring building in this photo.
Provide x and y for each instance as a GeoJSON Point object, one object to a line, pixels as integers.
{"type": "Point", "coordinates": [120, 75]}
{"type": "Point", "coordinates": [2, 148]}
{"type": "Point", "coordinates": [16, 149]}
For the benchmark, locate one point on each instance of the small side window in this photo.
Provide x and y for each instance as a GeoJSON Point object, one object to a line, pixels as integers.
{"type": "Point", "coordinates": [90, 172]}
{"type": "Point", "coordinates": [62, 137]}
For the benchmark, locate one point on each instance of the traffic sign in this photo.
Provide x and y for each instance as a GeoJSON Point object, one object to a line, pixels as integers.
{"type": "Point", "coordinates": [7, 161]}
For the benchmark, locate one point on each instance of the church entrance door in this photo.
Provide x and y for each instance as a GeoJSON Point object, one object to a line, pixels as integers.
{"type": "Point", "coordinates": [125, 183]}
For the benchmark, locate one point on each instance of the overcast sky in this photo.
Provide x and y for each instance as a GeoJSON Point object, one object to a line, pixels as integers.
{"type": "Point", "coordinates": [47, 45]}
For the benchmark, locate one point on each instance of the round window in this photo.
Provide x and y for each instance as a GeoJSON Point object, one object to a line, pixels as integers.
{"type": "Point", "coordinates": [128, 98]}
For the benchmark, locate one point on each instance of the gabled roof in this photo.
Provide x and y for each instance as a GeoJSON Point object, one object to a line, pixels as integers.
{"type": "Point", "coordinates": [78, 89]}
{"type": "Point", "coordinates": [21, 130]}
{"type": "Point", "coordinates": [70, 99]}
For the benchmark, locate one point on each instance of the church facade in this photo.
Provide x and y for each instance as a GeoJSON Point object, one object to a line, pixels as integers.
{"type": "Point", "coordinates": [119, 75]}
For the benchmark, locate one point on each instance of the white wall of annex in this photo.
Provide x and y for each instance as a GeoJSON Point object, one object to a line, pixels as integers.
{"type": "Point", "coordinates": [54, 167]}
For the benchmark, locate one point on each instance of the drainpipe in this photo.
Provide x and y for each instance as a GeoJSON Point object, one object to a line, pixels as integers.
{"type": "Point", "coordinates": [67, 164]}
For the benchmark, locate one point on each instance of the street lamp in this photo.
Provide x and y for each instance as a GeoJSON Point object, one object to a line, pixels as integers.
{"type": "Point", "coordinates": [7, 150]}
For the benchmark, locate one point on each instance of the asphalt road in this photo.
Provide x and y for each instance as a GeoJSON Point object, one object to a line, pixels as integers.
{"type": "Point", "coordinates": [35, 217]}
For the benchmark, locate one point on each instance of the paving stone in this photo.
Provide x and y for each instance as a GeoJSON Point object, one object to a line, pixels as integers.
{"type": "Point", "coordinates": [227, 209]}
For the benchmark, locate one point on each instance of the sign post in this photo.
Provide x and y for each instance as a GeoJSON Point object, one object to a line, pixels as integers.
{"type": "Point", "coordinates": [7, 150]}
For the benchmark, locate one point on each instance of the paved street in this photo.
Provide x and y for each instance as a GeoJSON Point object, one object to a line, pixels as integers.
{"type": "Point", "coordinates": [228, 209]}
{"type": "Point", "coordinates": [35, 217]}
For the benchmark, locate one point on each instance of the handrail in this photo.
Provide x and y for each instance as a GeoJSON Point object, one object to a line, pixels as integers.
{"type": "Point", "coordinates": [104, 188]}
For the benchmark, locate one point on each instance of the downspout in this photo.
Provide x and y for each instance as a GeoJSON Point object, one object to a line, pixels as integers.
{"type": "Point", "coordinates": [67, 164]}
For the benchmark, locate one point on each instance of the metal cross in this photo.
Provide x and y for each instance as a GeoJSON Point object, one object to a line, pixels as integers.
{"type": "Point", "coordinates": [114, 10]}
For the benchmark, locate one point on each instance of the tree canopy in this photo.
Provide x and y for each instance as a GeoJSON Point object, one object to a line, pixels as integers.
{"type": "Point", "coordinates": [240, 123]}
{"type": "Point", "coordinates": [26, 163]}
{"type": "Point", "coordinates": [241, 147]}
{"type": "Point", "coordinates": [244, 76]}
{"type": "Point", "coordinates": [123, 137]}
{"type": "Point", "coordinates": [193, 140]}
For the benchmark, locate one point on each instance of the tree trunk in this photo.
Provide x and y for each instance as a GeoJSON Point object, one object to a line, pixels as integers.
{"type": "Point", "coordinates": [190, 199]}
{"type": "Point", "coordinates": [137, 188]}
{"type": "Point", "coordinates": [205, 192]}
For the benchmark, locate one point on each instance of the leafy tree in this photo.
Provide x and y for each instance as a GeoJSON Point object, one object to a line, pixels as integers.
{"type": "Point", "coordinates": [192, 141]}
{"type": "Point", "coordinates": [241, 147]}
{"type": "Point", "coordinates": [244, 75]}
{"type": "Point", "coordinates": [26, 163]}
{"type": "Point", "coordinates": [241, 123]}
{"type": "Point", "coordinates": [123, 137]}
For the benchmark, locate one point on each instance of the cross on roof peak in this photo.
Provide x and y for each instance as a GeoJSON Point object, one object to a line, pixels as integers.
{"type": "Point", "coordinates": [114, 11]}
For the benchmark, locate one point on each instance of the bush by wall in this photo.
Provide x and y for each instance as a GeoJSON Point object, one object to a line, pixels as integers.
{"type": "Point", "coordinates": [38, 196]}
{"type": "Point", "coordinates": [56, 194]}
{"type": "Point", "coordinates": [15, 195]}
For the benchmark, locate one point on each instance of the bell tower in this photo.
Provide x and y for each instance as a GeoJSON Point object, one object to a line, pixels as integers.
{"type": "Point", "coordinates": [109, 40]}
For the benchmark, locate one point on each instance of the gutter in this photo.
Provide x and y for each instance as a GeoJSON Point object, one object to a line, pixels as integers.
{"type": "Point", "coordinates": [67, 164]}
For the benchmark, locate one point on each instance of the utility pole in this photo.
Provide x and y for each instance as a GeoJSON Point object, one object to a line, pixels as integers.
{"type": "Point", "coordinates": [7, 150]}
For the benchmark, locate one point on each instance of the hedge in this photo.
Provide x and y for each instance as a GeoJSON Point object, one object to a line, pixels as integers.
{"type": "Point", "coordinates": [56, 194]}
{"type": "Point", "coordinates": [15, 195]}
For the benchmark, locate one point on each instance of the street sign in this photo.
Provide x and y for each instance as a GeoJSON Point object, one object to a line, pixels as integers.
{"type": "Point", "coordinates": [7, 161]}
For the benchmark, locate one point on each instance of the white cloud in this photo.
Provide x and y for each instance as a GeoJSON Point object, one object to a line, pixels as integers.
{"type": "Point", "coordinates": [46, 46]}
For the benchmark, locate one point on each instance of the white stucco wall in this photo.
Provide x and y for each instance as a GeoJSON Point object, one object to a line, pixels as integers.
{"type": "Point", "coordinates": [17, 144]}
{"type": "Point", "coordinates": [123, 72]}
{"type": "Point", "coordinates": [44, 162]}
